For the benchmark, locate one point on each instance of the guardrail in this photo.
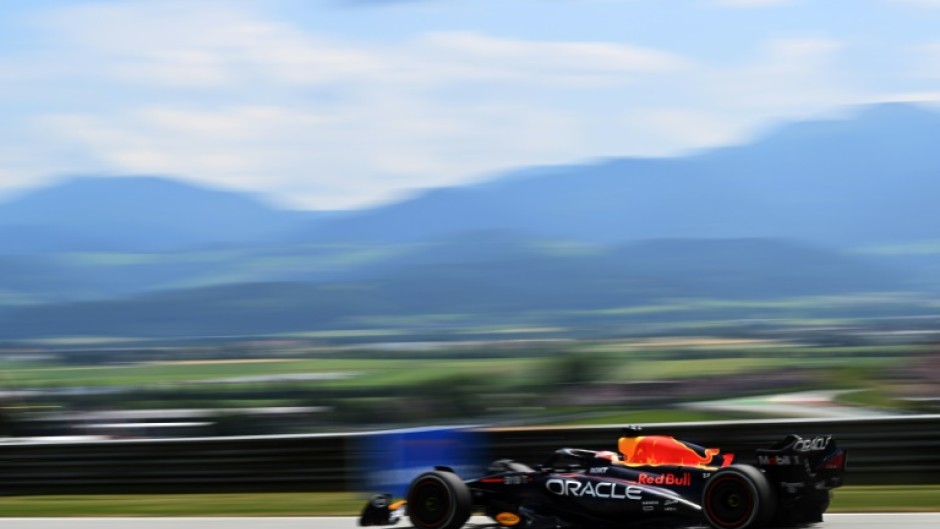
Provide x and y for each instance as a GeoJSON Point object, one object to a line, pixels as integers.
{"type": "Point", "coordinates": [890, 450]}
{"type": "Point", "coordinates": [229, 464]}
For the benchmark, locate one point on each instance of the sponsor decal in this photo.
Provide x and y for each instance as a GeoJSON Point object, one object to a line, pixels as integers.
{"type": "Point", "coordinates": [601, 489]}
{"type": "Point", "coordinates": [508, 480]}
{"type": "Point", "coordinates": [792, 487]}
{"type": "Point", "coordinates": [778, 460]}
{"type": "Point", "coordinates": [684, 480]}
{"type": "Point", "coordinates": [817, 443]}
{"type": "Point", "coordinates": [598, 470]}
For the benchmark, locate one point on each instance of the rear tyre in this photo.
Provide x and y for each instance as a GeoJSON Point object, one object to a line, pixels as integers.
{"type": "Point", "coordinates": [738, 497]}
{"type": "Point", "coordinates": [438, 500]}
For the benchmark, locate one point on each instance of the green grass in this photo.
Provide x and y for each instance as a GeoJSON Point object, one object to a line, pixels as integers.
{"type": "Point", "coordinates": [651, 417]}
{"type": "Point", "coordinates": [847, 499]}
{"type": "Point", "coordinates": [366, 372]}
{"type": "Point", "coordinates": [257, 504]}
{"type": "Point", "coordinates": [898, 498]}
{"type": "Point", "coordinates": [667, 369]}
{"type": "Point", "coordinates": [622, 360]}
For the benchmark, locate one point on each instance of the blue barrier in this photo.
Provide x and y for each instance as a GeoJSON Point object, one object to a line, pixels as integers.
{"type": "Point", "coordinates": [395, 458]}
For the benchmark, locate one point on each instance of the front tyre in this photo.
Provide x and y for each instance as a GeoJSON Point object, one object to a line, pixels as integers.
{"type": "Point", "coordinates": [738, 497]}
{"type": "Point", "coordinates": [438, 500]}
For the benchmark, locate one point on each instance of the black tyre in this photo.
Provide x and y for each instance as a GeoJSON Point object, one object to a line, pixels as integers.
{"type": "Point", "coordinates": [738, 497]}
{"type": "Point", "coordinates": [438, 500]}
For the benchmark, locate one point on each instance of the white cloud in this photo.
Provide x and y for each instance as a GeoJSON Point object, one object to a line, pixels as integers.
{"type": "Point", "coordinates": [213, 45]}
{"type": "Point", "coordinates": [722, 104]}
{"type": "Point", "coordinates": [230, 97]}
{"type": "Point", "coordinates": [352, 155]}
{"type": "Point", "coordinates": [223, 93]}
{"type": "Point", "coordinates": [209, 45]}
{"type": "Point", "coordinates": [689, 127]}
{"type": "Point", "coordinates": [792, 76]}
{"type": "Point", "coordinates": [484, 57]}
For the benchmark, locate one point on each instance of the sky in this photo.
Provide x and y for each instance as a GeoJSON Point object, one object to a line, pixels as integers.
{"type": "Point", "coordinates": [338, 104]}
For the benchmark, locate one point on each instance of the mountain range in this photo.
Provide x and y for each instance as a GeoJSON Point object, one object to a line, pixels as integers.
{"type": "Point", "coordinates": [869, 179]}
{"type": "Point", "coordinates": [812, 208]}
{"type": "Point", "coordinates": [133, 214]}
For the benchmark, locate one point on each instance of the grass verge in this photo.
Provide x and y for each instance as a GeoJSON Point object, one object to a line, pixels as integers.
{"type": "Point", "coordinates": [241, 504]}
{"type": "Point", "coordinates": [898, 498]}
{"type": "Point", "coordinates": [847, 499]}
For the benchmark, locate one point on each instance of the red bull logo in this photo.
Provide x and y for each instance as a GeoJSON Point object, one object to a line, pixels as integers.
{"type": "Point", "coordinates": [664, 450]}
{"type": "Point", "coordinates": [685, 480]}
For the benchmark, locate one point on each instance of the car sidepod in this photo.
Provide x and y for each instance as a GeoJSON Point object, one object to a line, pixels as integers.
{"type": "Point", "coordinates": [577, 499]}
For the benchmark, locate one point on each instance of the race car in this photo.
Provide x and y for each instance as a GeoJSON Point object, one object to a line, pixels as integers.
{"type": "Point", "coordinates": [653, 480]}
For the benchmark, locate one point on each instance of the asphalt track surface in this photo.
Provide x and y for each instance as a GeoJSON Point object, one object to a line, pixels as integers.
{"type": "Point", "coordinates": [833, 521]}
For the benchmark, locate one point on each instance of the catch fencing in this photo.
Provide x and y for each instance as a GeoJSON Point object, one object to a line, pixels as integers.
{"type": "Point", "coordinates": [888, 450]}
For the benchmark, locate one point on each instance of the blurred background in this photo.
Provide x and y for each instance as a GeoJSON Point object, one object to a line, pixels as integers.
{"type": "Point", "coordinates": [280, 217]}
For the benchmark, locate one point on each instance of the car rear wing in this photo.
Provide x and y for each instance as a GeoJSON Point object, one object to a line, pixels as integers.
{"type": "Point", "coordinates": [815, 458]}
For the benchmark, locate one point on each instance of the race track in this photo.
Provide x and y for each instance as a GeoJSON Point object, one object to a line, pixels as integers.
{"type": "Point", "coordinates": [833, 521]}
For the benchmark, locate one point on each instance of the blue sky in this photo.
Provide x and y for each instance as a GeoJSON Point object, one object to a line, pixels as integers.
{"type": "Point", "coordinates": [344, 103]}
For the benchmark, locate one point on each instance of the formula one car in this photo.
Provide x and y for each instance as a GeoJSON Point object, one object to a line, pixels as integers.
{"type": "Point", "coordinates": [655, 480]}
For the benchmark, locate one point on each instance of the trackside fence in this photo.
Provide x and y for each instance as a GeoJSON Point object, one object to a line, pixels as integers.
{"type": "Point", "coordinates": [889, 450]}
{"type": "Point", "coordinates": [228, 464]}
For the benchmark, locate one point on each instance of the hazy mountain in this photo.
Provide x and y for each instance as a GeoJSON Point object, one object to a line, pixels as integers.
{"type": "Point", "coordinates": [149, 255]}
{"type": "Point", "coordinates": [134, 213]}
{"type": "Point", "coordinates": [873, 177]}
{"type": "Point", "coordinates": [515, 284]}
{"type": "Point", "coordinates": [870, 178]}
